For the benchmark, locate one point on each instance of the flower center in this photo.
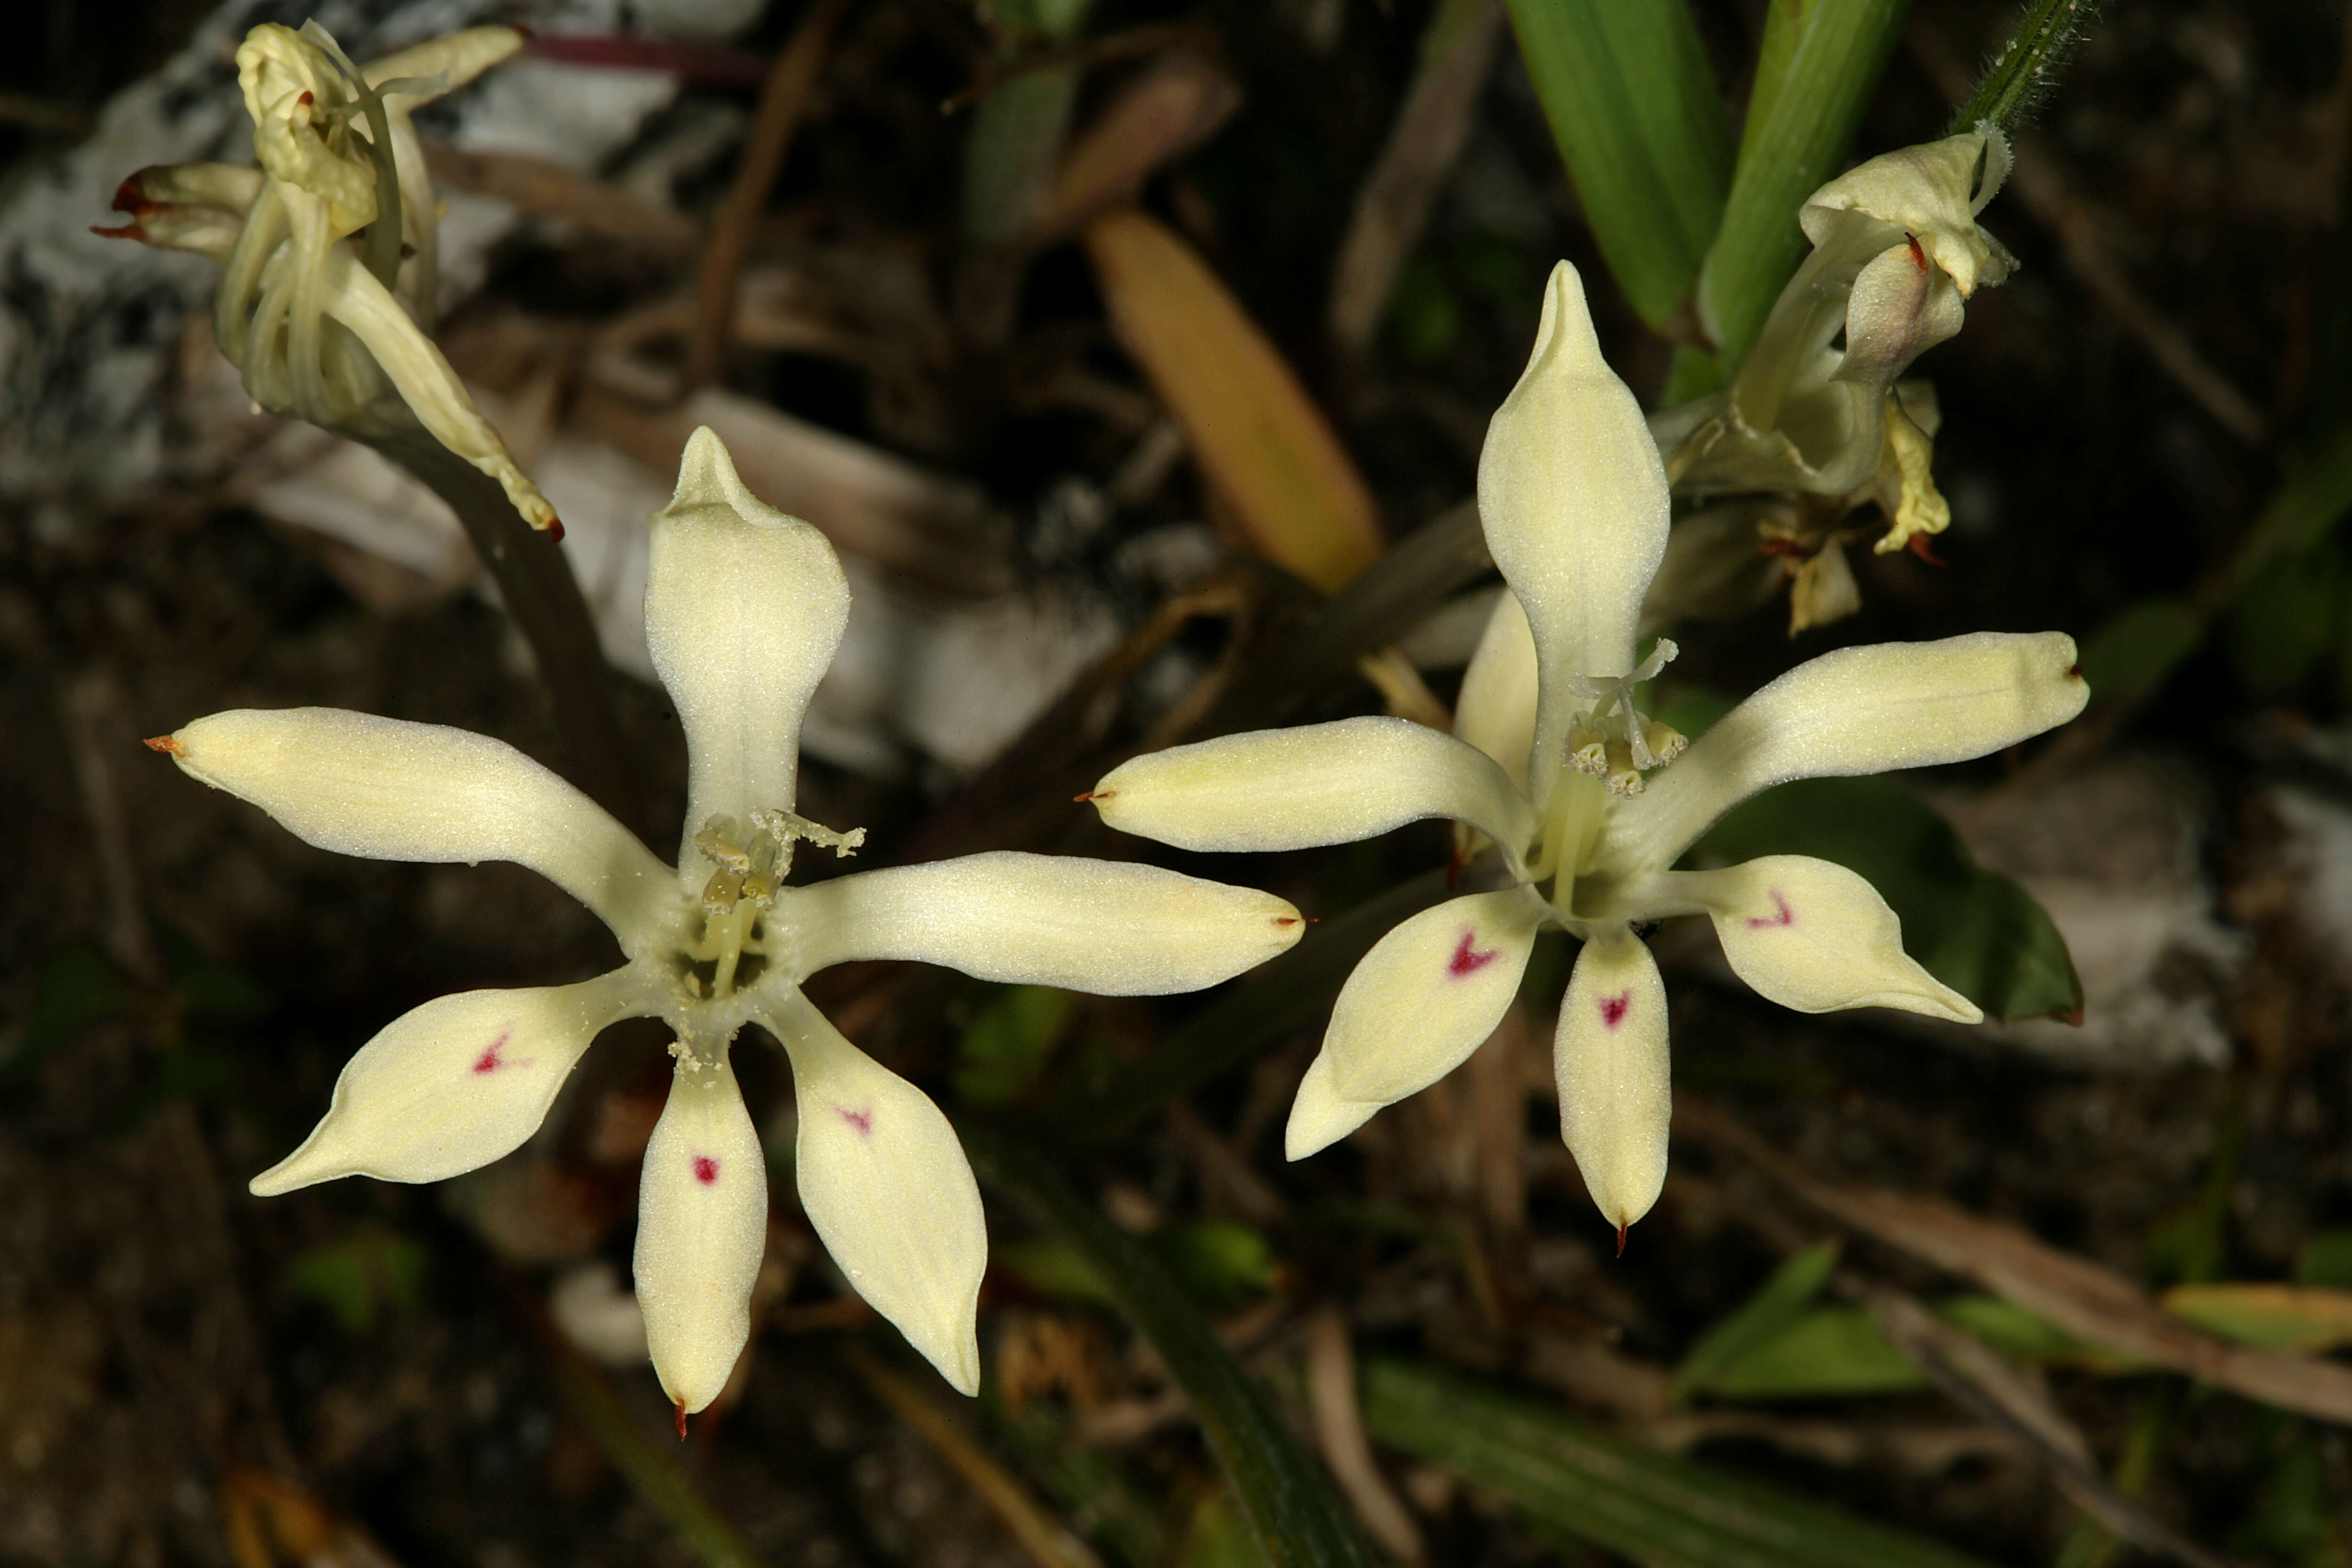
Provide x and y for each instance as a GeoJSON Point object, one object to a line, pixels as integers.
{"type": "Point", "coordinates": [1611, 739]}
{"type": "Point", "coordinates": [740, 937]}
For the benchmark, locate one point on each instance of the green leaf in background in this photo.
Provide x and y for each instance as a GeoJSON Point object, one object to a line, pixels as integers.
{"type": "Point", "coordinates": [1763, 1317]}
{"type": "Point", "coordinates": [1104, 1504]}
{"type": "Point", "coordinates": [1820, 61]}
{"type": "Point", "coordinates": [2284, 620]}
{"type": "Point", "coordinates": [1976, 931]}
{"type": "Point", "coordinates": [1289, 1511]}
{"type": "Point", "coordinates": [1657, 1509]}
{"type": "Point", "coordinates": [2265, 1315]}
{"type": "Point", "coordinates": [372, 1270]}
{"type": "Point", "coordinates": [1005, 1050]}
{"type": "Point", "coordinates": [1828, 1352]}
{"type": "Point", "coordinates": [1640, 124]}
{"type": "Point", "coordinates": [2132, 655]}
{"type": "Point", "coordinates": [2325, 1259]}
{"type": "Point", "coordinates": [1215, 1536]}
{"type": "Point", "coordinates": [79, 988]}
{"type": "Point", "coordinates": [1221, 1264]}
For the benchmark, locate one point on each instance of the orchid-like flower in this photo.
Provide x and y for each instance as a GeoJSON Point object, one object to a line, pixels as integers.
{"type": "Point", "coordinates": [1815, 411]}
{"type": "Point", "coordinates": [1588, 801]}
{"type": "Point", "coordinates": [743, 609]}
{"type": "Point", "coordinates": [330, 244]}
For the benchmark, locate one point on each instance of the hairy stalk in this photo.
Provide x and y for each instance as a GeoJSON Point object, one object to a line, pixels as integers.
{"type": "Point", "coordinates": [2021, 75]}
{"type": "Point", "coordinates": [543, 599]}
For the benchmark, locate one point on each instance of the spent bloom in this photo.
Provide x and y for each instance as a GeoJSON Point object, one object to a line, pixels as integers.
{"type": "Point", "coordinates": [1588, 800]}
{"type": "Point", "coordinates": [330, 244]}
{"type": "Point", "coordinates": [1816, 411]}
{"type": "Point", "coordinates": [743, 609]}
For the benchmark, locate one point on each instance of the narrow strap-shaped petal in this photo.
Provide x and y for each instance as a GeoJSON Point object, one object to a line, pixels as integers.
{"type": "Point", "coordinates": [1856, 710]}
{"type": "Point", "coordinates": [1573, 499]}
{"type": "Point", "coordinates": [457, 57]}
{"type": "Point", "coordinates": [886, 1182]}
{"type": "Point", "coordinates": [1415, 1007]}
{"type": "Point", "coordinates": [702, 1225]}
{"type": "Point", "coordinates": [744, 607]}
{"type": "Point", "coordinates": [1317, 783]}
{"type": "Point", "coordinates": [1102, 926]}
{"type": "Point", "coordinates": [1496, 709]}
{"type": "Point", "coordinates": [453, 1085]}
{"type": "Point", "coordinates": [391, 790]}
{"type": "Point", "coordinates": [1608, 1058]}
{"type": "Point", "coordinates": [1813, 935]}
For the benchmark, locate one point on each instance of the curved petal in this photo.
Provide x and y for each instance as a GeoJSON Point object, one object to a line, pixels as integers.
{"type": "Point", "coordinates": [1813, 935]}
{"type": "Point", "coordinates": [1418, 1003]}
{"type": "Point", "coordinates": [702, 1228]}
{"type": "Point", "coordinates": [1317, 783]}
{"type": "Point", "coordinates": [886, 1182]}
{"type": "Point", "coordinates": [449, 1087]}
{"type": "Point", "coordinates": [1320, 1115]}
{"type": "Point", "coordinates": [1496, 709]}
{"type": "Point", "coordinates": [1045, 920]}
{"type": "Point", "coordinates": [1857, 711]}
{"type": "Point", "coordinates": [388, 789]}
{"type": "Point", "coordinates": [744, 607]}
{"type": "Point", "coordinates": [1610, 1060]}
{"type": "Point", "coordinates": [1573, 499]}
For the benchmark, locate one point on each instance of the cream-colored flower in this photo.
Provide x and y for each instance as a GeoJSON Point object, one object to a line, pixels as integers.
{"type": "Point", "coordinates": [743, 609]}
{"type": "Point", "coordinates": [1588, 801]}
{"type": "Point", "coordinates": [330, 245]}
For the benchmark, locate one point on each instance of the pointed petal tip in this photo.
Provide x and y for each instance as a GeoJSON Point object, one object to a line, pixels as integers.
{"type": "Point", "coordinates": [170, 745]}
{"type": "Point", "coordinates": [680, 1404]}
{"type": "Point", "coordinates": [1622, 1229]}
{"type": "Point", "coordinates": [1319, 1117]}
{"type": "Point", "coordinates": [706, 471]}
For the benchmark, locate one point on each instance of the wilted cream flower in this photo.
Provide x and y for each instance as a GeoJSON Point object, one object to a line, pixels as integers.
{"type": "Point", "coordinates": [1815, 411]}
{"type": "Point", "coordinates": [744, 607]}
{"type": "Point", "coordinates": [330, 244]}
{"type": "Point", "coordinates": [1588, 801]}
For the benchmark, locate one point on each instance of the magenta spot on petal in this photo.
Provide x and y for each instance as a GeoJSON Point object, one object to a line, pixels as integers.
{"type": "Point", "coordinates": [861, 1120]}
{"type": "Point", "coordinates": [488, 1060]}
{"type": "Point", "coordinates": [1613, 1009]}
{"type": "Point", "coordinates": [1786, 917]}
{"type": "Point", "coordinates": [1467, 962]}
{"type": "Point", "coordinates": [706, 1169]}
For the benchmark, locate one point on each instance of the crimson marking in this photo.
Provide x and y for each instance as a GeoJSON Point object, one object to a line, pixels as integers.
{"type": "Point", "coordinates": [706, 1169]}
{"type": "Point", "coordinates": [1786, 917]}
{"type": "Point", "coordinates": [1919, 256]}
{"type": "Point", "coordinates": [1467, 961]}
{"type": "Point", "coordinates": [1613, 1009]}
{"type": "Point", "coordinates": [861, 1120]}
{"type": "Point", "coordinates": [488, 1061]}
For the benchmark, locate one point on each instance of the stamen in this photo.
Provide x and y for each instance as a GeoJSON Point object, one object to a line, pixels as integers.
{"type": "Point", "coordinates": [1611, 739]}
{"type": "Point", "coordinates": [786, 825]}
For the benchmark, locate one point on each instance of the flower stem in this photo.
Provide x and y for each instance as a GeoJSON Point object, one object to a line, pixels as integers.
{"type": "Point", "coordinates": [2028, 64]}
{"type": "Point", "coordinates": [543, 598]}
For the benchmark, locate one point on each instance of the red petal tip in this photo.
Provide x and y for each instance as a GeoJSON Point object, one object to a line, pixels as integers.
{"type": "Point", "coordinates": [555, 529]}
{"type": "Point", "coordinates": [1621, 1241]}
{"type": "Point", "coordinates": [681, 1420]}
{"type": "Point", "coordinates": [167, 744]}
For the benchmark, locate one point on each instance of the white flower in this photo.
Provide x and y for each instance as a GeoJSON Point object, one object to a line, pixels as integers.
{"type": "Point", "coordinates": [743, 609]}
{"type": "Point", "coordinates": [1555, 763]}
{"type": "Point", "coordinates": [330, 244]}
{"type": "Point", "coordinates": [1897, 253]}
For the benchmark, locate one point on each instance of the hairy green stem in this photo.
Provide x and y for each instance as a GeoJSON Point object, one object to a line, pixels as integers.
{"type": "Point", "coordinates": [2022, 74]}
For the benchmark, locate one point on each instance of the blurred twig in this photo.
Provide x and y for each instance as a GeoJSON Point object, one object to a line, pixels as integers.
{"type": "Point", "coordinates": [1046, 1540]}
{"type": "Point", "coordinates": [1393, 204]}
{"type": "Point", "coordinates": [784, 99]}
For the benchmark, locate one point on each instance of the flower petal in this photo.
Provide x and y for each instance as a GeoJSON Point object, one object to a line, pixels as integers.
{"type": "Point", "coordinates": [702, 1226]}
{"type": "Point", "coordinates": [1046, 920]}
{"type": "Point", "coordinates": [1320, 1115]}
{"type": "Point", "coordinates": [1856, 710]}
{"type": "Point", "coordinates": [1610, 1060]}
{"type": "Point", "coordinates": [887, 1184]}
{"type": "Point", "coordinates": [453, 1085]}
{"type": "Point", "coordinates": [1418, 1003]}
{"type": "Point", "coordinates": [744, 607]}
{"type": "Point", "coordinates": [1317, 783]}
{"type": "Point", "coordinates": [390, 790]}
{"type": "Point", "coordinates": [1496, 709]}
{"type": "Point", "coordinates": [1813, 935]}
{"type": "Point", "coordinates": [1573, 499]}
{"type": "Point", "coordinates": [1932, 193]}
